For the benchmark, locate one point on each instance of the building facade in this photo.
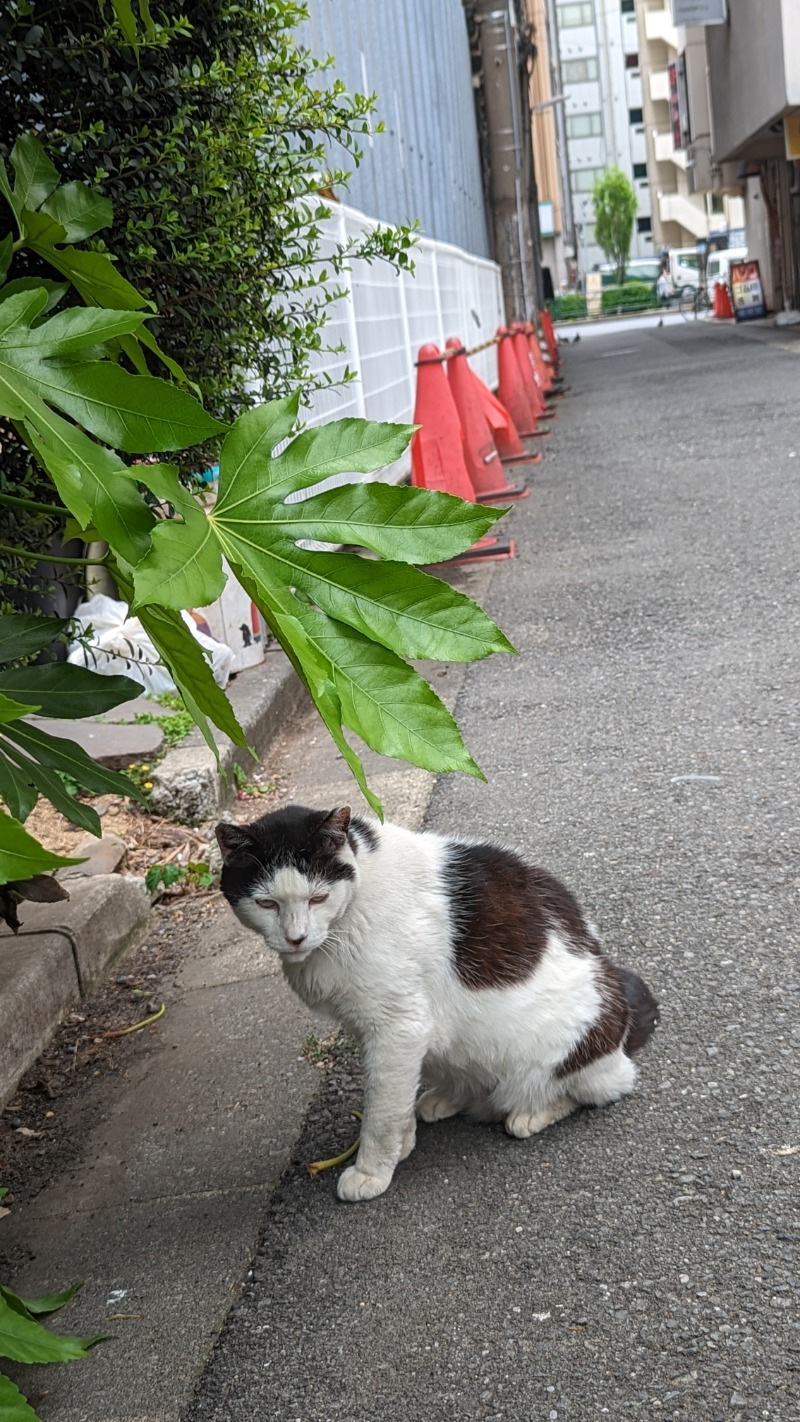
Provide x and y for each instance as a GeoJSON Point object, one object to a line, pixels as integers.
{"type": "Point", "coordinates": [753, 65]}
{"type": "Point", "coordinates": [687, 206]}
{"type": "Point", "coordinates": [598, 62]}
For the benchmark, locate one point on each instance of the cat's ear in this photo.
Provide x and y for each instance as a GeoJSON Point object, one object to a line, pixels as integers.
{"type": "Point", "coordinates": [334, 828]}
{"type": "Point", "coordinates": [232, 840]}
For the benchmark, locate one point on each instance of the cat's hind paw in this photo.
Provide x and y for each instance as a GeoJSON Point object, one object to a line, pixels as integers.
{"type": "Point", "coordinates": [355, 1184]}
{"type": "Point", "coordinates": [436, 1104]}
{"type": "Point", "coordinates": [528, 1123]}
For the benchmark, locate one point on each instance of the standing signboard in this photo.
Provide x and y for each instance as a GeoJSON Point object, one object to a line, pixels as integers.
{"type": "Point", "coordinates": [747, 293]}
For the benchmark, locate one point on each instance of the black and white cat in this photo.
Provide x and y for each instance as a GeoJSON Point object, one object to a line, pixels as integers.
{"type": "Point", "coordinates": [455, 965]}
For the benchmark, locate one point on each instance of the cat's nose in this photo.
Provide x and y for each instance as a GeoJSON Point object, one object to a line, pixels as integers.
{"type": "Point", "coordinates": [295, 942]}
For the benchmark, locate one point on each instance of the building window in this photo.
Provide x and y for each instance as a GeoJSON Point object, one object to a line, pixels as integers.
{"type": "Point", "coordinates": [635, 116]}
{"type": "Point", "coordinates": [627, 7]}
{"type": "Point", "coordinates": [569, 16]}
{"type": "Point", "coordinates": [631, 61]}
{"type": "Point", "coordinates": [583, 180]}
{"type": "Point", "coordinates": [578, 71]}
{"type": "Point", "coordinates": [640, 170]}
{"type": "Point", "coordinates": [584, 125]}
{"type": "Point", "coordinates": [717, 205]}
{"type": "Point", "coordinates": [643, 224]}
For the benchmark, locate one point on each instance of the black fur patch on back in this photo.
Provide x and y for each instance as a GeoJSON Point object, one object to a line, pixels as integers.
{"type": "Point", "coordinates": [642, 1008]}
{"type": "Point", "coordinates": [502, 910]}
{"type": "Point", "coordinates": [362, 833]}
{"type": "Point", "coordinates": [291, 838]}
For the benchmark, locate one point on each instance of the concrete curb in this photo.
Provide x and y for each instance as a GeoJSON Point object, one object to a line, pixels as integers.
{"type": "Point", "coordinates": [187, 785]}
{"type": "Point", "coordinates": [61, 951]}
{"type": "Point", "coordinates": [64, 949]}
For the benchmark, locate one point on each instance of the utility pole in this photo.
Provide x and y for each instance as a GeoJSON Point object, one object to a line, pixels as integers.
{"type": "Point", "coordinates": [508, 149]}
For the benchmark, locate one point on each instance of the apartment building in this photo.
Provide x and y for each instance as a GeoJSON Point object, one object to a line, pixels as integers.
{"type": "Point", "coordinates": [687, 205]}
{"type": "Point", "coordinates": [597, 50]}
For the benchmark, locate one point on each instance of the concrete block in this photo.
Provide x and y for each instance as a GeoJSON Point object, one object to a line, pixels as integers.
{"type": "Point", "coordinates": [187, 785]}
{"type": "Point", "coordinates": [100, 856]}
{"type": "Point", "coordinates": [109, 745]}
{"type": "Point", "coordinates": [105, 915]}
{"type": "Point", "coordinates": [38, 983]}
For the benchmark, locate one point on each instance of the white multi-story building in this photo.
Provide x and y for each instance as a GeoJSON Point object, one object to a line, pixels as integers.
{"type": "Point", "coordinates": [687, 206]}
{"type": "Point", "coordinates": [598, 52]}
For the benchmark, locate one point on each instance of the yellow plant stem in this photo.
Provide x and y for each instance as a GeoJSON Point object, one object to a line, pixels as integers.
{"type": "Point", "coordinates": [317, 1166]}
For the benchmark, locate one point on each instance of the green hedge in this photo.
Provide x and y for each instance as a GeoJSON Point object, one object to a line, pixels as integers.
{"type": "Point", "coordinates": [633, 296]}
{"type": "Point", "coordinates": [212, 139]}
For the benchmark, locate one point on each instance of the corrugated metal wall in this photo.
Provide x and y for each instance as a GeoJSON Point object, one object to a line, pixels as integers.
{"type": "Point", "coordinates": [415, 55]}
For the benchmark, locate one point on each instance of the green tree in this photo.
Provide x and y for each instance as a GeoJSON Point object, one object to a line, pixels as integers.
{"type": "Point", "coordinates": [614, 210]}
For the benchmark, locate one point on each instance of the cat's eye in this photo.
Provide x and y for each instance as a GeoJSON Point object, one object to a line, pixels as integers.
{"type": "Point", "coordinates": [319, 899]}
{"type": "Point", "coordinates": [266, 903]}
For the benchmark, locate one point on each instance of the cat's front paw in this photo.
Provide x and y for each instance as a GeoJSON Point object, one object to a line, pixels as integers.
{"type": "Point", "coordinates": [355, 1184]}
{"type": "Point", "coordinates": [523, 1124]}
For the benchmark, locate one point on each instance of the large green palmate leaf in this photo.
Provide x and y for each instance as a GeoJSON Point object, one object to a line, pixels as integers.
{"type": "Point", "coordinates": [182, 572]}
{"type": "Point", "coordinates": [14, 1406]}
{"type": "Point", "coordinates": [17, 791]}
{"type": "Point", "coordinates": [137, 413]}
{"type": "Point", "coordinates": [346, 621]}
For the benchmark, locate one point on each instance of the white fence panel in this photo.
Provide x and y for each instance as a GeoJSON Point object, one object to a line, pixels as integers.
{"type": "Point", "coordinates": [385, 317]}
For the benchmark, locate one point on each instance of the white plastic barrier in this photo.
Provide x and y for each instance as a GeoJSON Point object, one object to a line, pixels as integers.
{"type": "Point", "coordinates": [385, 317]}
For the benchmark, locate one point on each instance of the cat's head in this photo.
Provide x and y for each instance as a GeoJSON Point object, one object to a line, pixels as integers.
{"type": "Point", "coordinates": [289, 876]}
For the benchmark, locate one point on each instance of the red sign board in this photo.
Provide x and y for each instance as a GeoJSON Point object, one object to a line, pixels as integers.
{"type": "Point", "coordinates": [747, 292]}
{"type": "Point", "coordinates": [675, 108]}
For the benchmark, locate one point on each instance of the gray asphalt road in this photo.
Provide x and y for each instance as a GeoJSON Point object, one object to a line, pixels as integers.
{"type": "Point", "coordinates": [638, 1262]}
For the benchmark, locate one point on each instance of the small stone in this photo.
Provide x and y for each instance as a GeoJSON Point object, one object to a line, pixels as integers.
{"type": "Point", "coordinates": [736, 1175]}
{"type": "Point", "coordinates": [737, 1400]}
{"type": "Point", "coordinates": [100, 856]}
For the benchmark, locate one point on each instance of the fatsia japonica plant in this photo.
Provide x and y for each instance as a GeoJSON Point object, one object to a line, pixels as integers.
{"type": "Point", "coordinates": [76, 385]}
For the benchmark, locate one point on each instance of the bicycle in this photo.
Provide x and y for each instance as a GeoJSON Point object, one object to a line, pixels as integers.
{"type": "Point", "coordinates": [695, 302]}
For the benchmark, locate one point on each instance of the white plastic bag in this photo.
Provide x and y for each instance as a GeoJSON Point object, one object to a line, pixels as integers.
{"type": "Point", "coordinates": [119, 646]}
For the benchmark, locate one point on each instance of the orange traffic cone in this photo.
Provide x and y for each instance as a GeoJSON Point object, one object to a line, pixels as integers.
{"type": "Point", "coordinates": [437, 458]}
{"type": "Point", "coordinates": [550, 336]}
{"type": "Point", "coordinates": [543, 372]}
{"type": "Point", "coordinates": [723, 310]}
{"type": "Point", "coordinates": [504, 431]}
{"type": "Point", "coordinates": [522, 350]}
{"type": "Point", "coordinates": [511, 386]}
{"type": "Point", "coordinates": [480, 450]}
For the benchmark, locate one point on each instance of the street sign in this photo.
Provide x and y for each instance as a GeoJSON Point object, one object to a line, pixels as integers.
{"type": "Point", "coordinates": [747, 293]}
{"type": "Point", "coordinates": [699, 12]}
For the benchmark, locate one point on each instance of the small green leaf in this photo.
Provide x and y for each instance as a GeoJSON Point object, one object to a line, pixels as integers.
{"type": "Point", "coordinates": [80, 210]}
{"type": "Point", "coordinates": [66, 691]}
{"type": "Point", "coordinates": [21, 856]}
{"type": "Point", "coordinates": [14, 1406]}
{"type": "Point", "coordinates": [35, 175]}
{"type": "Point", "coordinates": [56, 290]}
{"type": "Point", "coordinates": [25, 1340]}
{"type": "Point", "coordinates": [16, 791]}
{"type": "Point", "coordinates": [51, 1303]}
{"type": "Point", "coordinates": [12, 710]}
{"type": "Point", "coordinates": [5, 189]}
{"type": "Point", "coordinates": [22, 634]}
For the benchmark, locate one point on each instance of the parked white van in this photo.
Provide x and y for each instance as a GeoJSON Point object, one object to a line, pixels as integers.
{"type": "Point", "coordinates": [718, 266]}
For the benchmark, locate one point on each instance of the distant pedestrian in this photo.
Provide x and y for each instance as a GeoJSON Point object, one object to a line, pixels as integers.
{"type": "Point", "coordinates": [664, 287]}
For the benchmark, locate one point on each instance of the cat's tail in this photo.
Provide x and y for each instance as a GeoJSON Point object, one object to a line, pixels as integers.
{"type": "Point", "coordinates": [643, 1009]}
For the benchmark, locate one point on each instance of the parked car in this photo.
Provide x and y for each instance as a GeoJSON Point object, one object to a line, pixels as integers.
{"type": "Point", "coordinates": [638, 269]}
